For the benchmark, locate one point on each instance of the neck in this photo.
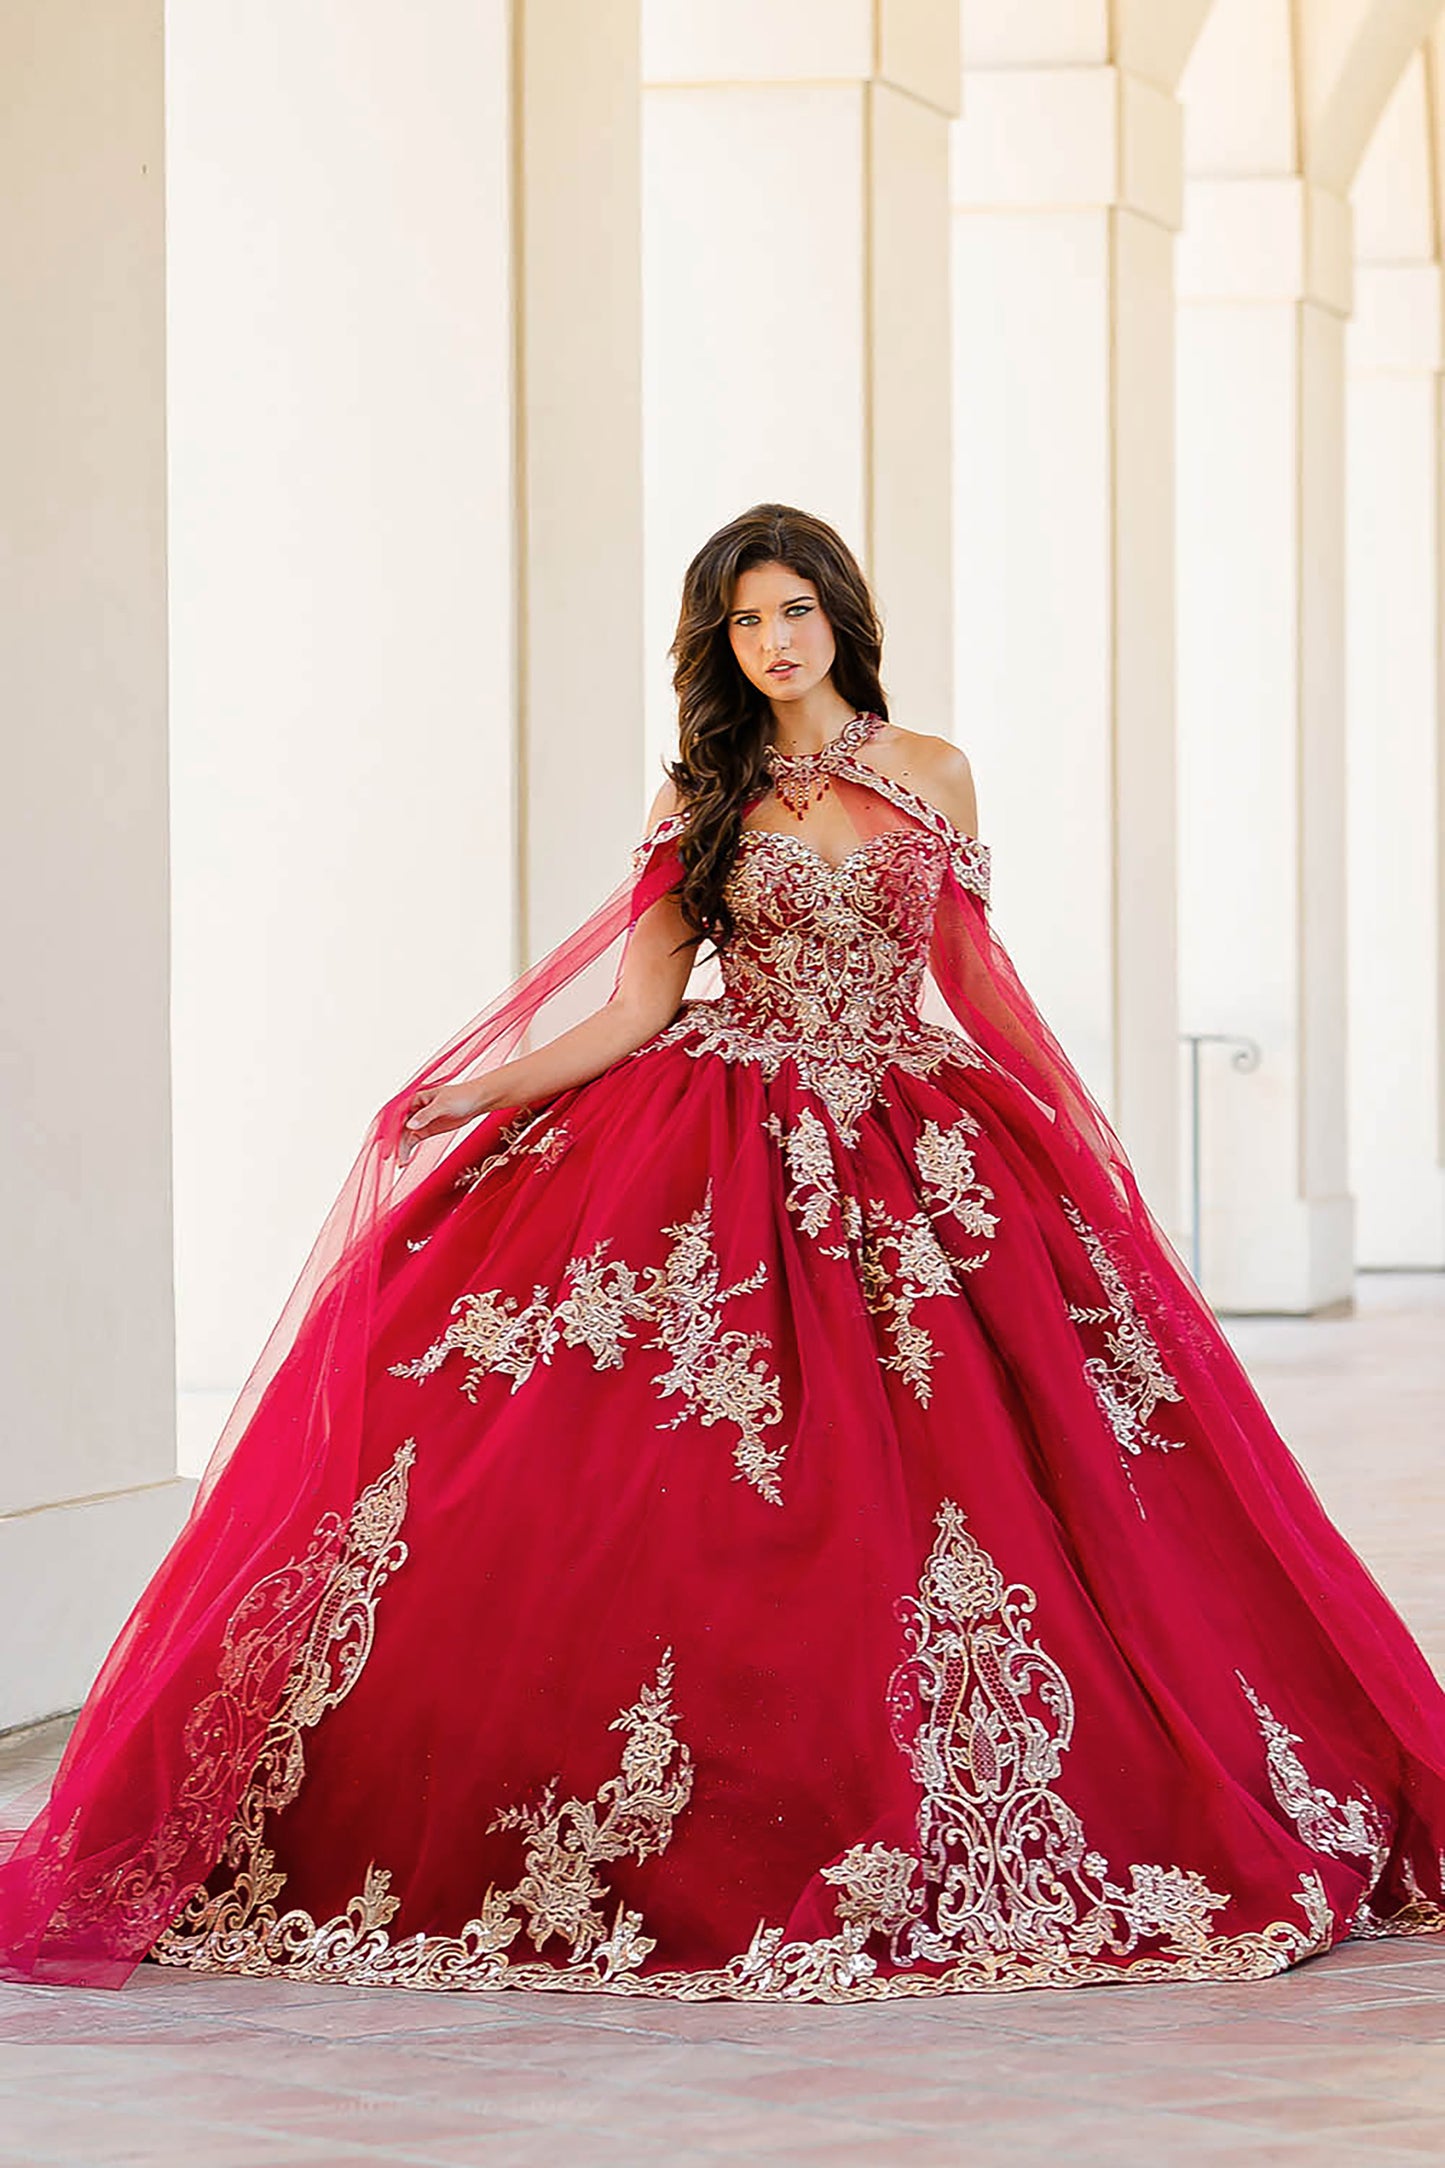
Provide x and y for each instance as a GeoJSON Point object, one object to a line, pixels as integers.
{"type": "Point", "coordinates": [811, 722]}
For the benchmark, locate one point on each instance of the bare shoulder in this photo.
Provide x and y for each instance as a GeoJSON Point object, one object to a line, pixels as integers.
{"type": "Point", "coordinates": [940, 772]}
{"type": "Point", "coordinates": [667, 802]}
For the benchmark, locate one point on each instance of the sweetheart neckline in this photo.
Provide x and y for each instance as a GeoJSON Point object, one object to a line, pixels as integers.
{"type": "Point", "coordinates": [835, 865]}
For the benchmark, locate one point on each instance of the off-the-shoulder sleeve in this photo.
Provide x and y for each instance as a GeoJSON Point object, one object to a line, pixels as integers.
{"type": "Point", "coordinates": [970, 860]}
{"type": "Point", "coordinates": [972, 863]}
{"type": "Point", "coordinates": [667, 831]}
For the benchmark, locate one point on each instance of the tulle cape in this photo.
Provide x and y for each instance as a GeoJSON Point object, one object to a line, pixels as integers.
{"type": "Point", "coordinates": [140, 1809]}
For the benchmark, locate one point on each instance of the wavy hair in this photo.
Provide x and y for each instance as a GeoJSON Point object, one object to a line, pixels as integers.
{"type": "Point", "coordinates": [725, 724]}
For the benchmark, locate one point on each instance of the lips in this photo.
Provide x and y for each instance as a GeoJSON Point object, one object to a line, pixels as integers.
{"type": "Point", "coordinates": [781, 669]}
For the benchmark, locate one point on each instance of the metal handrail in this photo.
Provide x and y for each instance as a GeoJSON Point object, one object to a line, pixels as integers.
{"type": "Point", "coordinates": [1246, 1058]}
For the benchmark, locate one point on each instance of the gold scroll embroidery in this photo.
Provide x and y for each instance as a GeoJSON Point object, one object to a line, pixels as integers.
{"type": "Point", "coordinates": [825, 969]}
{"type": "Point", "coordinates": [317, 1594]}
{"type": "Point", "coordinates": [1419, 1914]}
{"type": "Point", "coordinates": [1001, 1890]}
{"type": "Point", "coordinates": [560, 1894]}
{"type": "Point", "coordinates": [324, 1671]}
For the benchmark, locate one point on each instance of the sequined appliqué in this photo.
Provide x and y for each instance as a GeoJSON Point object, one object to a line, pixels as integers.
{"type": "Point", "coordinates": [716, 1370]}
{"type": "Point", "coordinates": [1000, 1890]}
{"type": "Point", "coordinates": [1129, 1379]}
{"type": "Point", "coordinates": [901, 1264]}
{"type": "Point", "coordinates": [1003, 1890]}
{"type": "Point", "coordinates": [1349, 1828]}
{"type": "Point", "coordinates": [560, 1894]}
{"type": "Point", "coordinates": [527, 1135]}
{"type": "Point", "coordinates": [825, 969]}
{"type": "Point", "coordinates": [1352, 1828]}
{"type": "Point", "coordinates": [324, 1598]}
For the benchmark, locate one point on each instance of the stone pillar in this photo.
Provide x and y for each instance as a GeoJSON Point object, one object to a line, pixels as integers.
{"type": "Point", "coordinates": [406, 499]}
{"type": "Point", "coordinates": [579, 409]}
{"type": "Point", "coordinates": [796, 303]}
{"type": "Point", "coordinates": [1066, 197]}
{"type": "Point", "coordinates": [1394, 750]}
{"type": "Point", "coordinates": [88, 1492]}
{"type": "Point", "coordinates": [1264, 293]}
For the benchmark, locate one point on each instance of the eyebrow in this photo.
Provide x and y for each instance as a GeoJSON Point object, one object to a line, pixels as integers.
{"type": "Point", "coordinates": [749, 609]}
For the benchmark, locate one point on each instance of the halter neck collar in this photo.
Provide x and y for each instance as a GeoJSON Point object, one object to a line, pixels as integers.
{"type": "Point", "coordinates": [800, 778]}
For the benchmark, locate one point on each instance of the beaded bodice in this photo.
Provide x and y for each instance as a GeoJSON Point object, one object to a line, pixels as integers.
{"type": "Point", "coordinates": [831, 955]}
{"type": "Point", "coordinates": [825, 966]}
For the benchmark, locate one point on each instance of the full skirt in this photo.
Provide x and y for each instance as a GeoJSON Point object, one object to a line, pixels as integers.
{"type": "Point", "coordinates": [799, 1557]}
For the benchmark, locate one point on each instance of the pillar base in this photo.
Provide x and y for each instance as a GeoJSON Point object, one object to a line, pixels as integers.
{"type": "Point", "coordinates": [69, 1575]}
{"type": "Point", "coordinates": [1284, 1258]}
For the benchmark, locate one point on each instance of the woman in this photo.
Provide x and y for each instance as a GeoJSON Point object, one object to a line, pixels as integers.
{"type": "Point", "coordinates": [745, 1502]}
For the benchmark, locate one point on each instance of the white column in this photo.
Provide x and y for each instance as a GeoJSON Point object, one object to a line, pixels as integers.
{"type": "Point", "coordinates": [1066, 194]}
{"type": "Point", "coordinates": [1265, 290]}
{"type": "Point", "coordinates": [406, 516]}
{"type": "Point", "coordinates": [88, 1495]}
{"type": "Point", "coordinates": [1396, 810]}
{"type": "Point", "coordinates": [796, 311]}
{"type": "Point", "coordinates": [343, 606]}
{"type": "Point", "coordinates": [579, 344]}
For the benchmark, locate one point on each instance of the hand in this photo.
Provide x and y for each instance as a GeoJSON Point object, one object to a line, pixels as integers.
{"type": "Point", "coordinates": [438, 1108]}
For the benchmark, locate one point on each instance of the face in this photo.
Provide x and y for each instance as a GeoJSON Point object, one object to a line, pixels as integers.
{"type": "Point", "coordinates": [780, 636]}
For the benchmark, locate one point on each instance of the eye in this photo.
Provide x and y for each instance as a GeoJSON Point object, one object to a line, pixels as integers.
{"type": "Point", "coordinates": [748, 619]}
{"type": "Point", "coordinates": [799, 609]}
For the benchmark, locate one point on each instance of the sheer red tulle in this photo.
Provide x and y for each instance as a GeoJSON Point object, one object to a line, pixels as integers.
{"type": "Point", "coordinates": [778, 1520]}
{"type": "Point", "coordinates": [148, 1786]}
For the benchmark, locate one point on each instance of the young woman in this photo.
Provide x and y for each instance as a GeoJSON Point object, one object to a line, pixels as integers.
{"type": "Point", "coordinates": [745, 1501]}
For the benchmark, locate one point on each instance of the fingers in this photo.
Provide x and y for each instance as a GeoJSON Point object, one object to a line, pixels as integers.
{"type": "Point", "coordinates": [415, 1125]}
{"type": "Point", "coordinates": [438, 1108]}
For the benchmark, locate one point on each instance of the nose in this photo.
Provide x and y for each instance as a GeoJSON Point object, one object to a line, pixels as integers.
{"type": "Point", "coordinates": [782, 634]}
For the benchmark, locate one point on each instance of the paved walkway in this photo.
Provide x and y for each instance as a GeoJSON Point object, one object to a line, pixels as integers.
{"type": "Point", "coordinates": [1338, 2065]}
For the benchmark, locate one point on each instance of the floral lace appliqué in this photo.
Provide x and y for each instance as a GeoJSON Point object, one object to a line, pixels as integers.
{"type": "Point", "coordinates": [946, 1164]}
{"type": "Point", "coordinates": [1348, 1828]}
{"type": "Point", "coordinates": [825, 969]}
{"type": "Point", "coordinates": [560, 1894]}
{"type": "Point", "coordinates": [901, 1264]}
{"type": "Point", "coordinates": [1002, 1889]}
{"type": "Point", "coordinates": [309, 1622]}
{"type": "Point", "coordinates": [998, 1891]}
{"type": "Point", "coordinates": [812, 1196]}
{"type": "Point", "coordinates": [1352, 1828]}
{"type": "Point", "coordinates": [1130, 1378]}
{"type": "Point", "coordinates": [717, 1371]}
{"type": "Point", "coordinates": [900, 1261]}
{"type": "Point", "coordinates": [528, 1134]}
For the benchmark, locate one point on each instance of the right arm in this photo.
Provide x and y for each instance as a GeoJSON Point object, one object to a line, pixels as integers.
{"type": "Point", "coordinates": [655, 971]}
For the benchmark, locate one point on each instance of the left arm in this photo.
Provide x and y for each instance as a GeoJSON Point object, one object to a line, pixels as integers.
{"type": "Point", "coordinates": [655, 969]}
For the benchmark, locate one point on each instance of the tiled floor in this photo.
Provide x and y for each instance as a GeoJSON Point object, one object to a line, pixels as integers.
{"type": "Point", "coordinates": [1338, 2065]}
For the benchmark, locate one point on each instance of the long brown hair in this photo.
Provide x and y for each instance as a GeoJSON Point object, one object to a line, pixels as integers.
{"type": "Point", "coordinates": [724, 723]}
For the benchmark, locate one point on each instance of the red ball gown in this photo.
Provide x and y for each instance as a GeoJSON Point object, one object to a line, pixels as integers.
{"type": "Point", "coordinates": [774, 1521]}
